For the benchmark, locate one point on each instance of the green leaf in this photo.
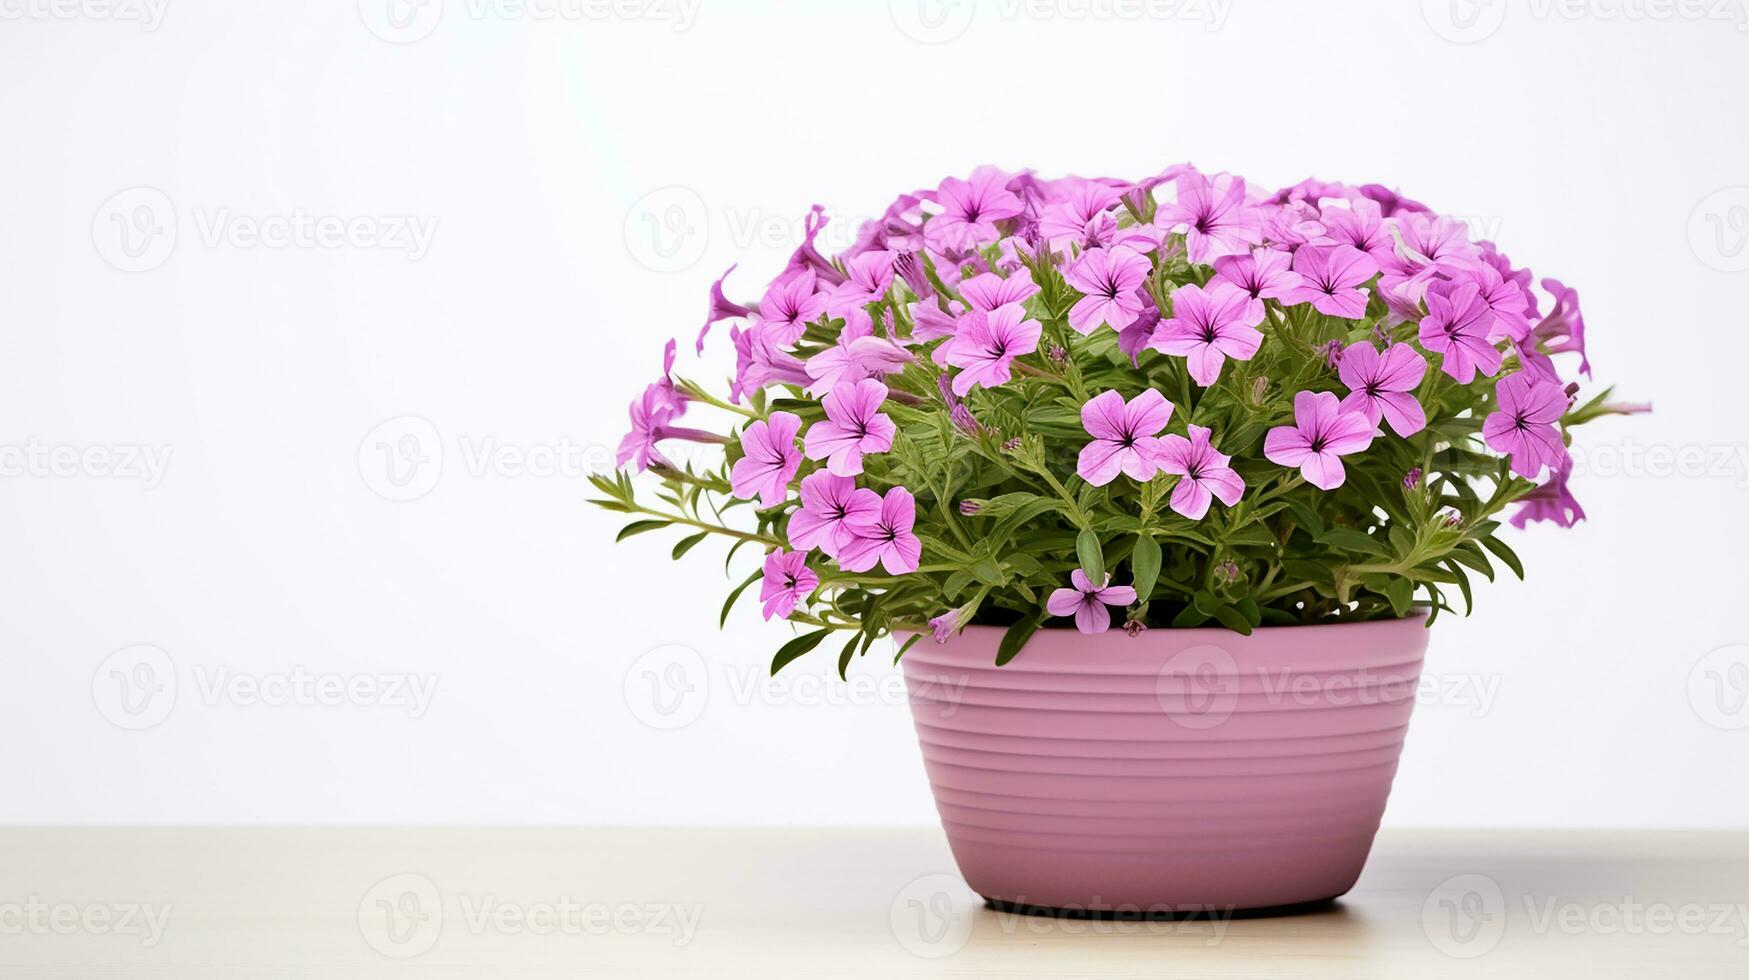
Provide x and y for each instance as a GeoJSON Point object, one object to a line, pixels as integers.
{"type": "Point", "coordinates": [1505, 554]}
{"type": "Point", "coordinates": [1350, 539]}
{"type": "Point", "coordinates": [1092, 558]}
{"type": "Point", "coordinates": [639, 527]}
{"type": "Point", "coordinates": [787, 653]}
{"type": "Point", "coordinates": [1401, 592]}
{"type": "Point", "coordinates": [1463, 583]}
{"type": "Point", "coordinates": [1191, 616]}
{"type": "Point", "coordinates": [684, 545]}
{"type": "Point", "coordinates": [1234, 620]}
{"type": "Point", "coordinates": [1014, 640]}
{"type": "Point", "coordinates": [729, 603]}
{"type": "Point", "coordinates": [845, 655]}
{"type": "Point", "coordinates": [1307, 517]}
{"type": "Point", "coordinates": [1145, 565]}
{"type": "Point", "coordinates": [906, 646]}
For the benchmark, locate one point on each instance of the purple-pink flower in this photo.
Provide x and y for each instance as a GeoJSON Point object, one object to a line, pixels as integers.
{"type": "Point", "coordinates": [1523, 424]}
{"type": "Point", "coordinates": [989, 291]}
{"type": "Point", "coordinates": [1379, 385]}
{"type": "Point", "coordinates": [788, 581]}
{"type": "Point", "coordinates": [1215, 216]}
{"type": "Point", "coordinates": [1262, 273]}
{"type": "Point", "coordinates": [1204, 472]}
{"type": "Point", "coordinates": [789, 306]}
{"type": "Point", "coordinates": [829, 504]}
{"type": "Point", "coordinates": [884, 537]}
{"type": "Point", "coordinates": [854, 426]}
{"type": "Point", "coordinates": [769, 461]}
{"type": "Point", "coordinates": [1331, 278]}
{"type": "Point", "coordinates": [1207, 327]}
{"type": "Point", "coordinates": [1458, 325]}
{"type": "Point", "coordinates": [870, 276]}
{"type": "Point", "coordinates": [1552, 501]}
{"type": "Point", "coordinates": [1321, 435]}
{"type": "Point", "coordinates": [721, 308]}
{"type": "Point", "coordinates": [1125, 436]}
{"type": "Point", "coordinates": [1361, 225]}
{"type": "Point", "coordinates": [987, 344]}
{"type": "Point", "coordinates": [1086, 602]}
{"type": "Point", "coordinates": [1110, 278]}
{"type": "Point", "coordinates": [970, 210]}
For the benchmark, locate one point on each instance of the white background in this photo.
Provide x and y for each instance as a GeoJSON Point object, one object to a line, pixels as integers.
{"type": "Point", "coordinates": [587, 176]}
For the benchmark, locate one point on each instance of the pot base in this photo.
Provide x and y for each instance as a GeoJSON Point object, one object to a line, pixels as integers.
{"type": "Point", "coordinates": [1322, 905]}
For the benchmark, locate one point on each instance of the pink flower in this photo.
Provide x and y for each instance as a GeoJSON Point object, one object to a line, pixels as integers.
{"type": "Point", "coordinates": [1087, 603]}
{"type": "Point", "coordinates": [789, 306]}
{"type": "Point", "coordinates": [1523, 425]}
{"type": "Point", "coordinates": [1216, 219]}
{"type": "Point", "coordinates": [788, 580]}
{"type": "Point", "coordinates": [1204, 472]}
{"type": "Point", "coordinates": [871, 275]}
{"type": "Point", "coordinates": [1457, 325]}
{"type": "Point", "coordinates": [1333, 275]}
{"type": "Point", "coordinates": [1207, 327]}
{"type": "Point", "coordinates": [829, 504]}
{"type": "Point", "coordinates": [988, 291]}
{"type": "Point", "coordinates": [721, 308]}
{"type": "Point", "coordinates": [987, 344]}
{"type": "Point", "coordinates": [930, 322]}
{"type": "Point", "coordinates": [1433, 242]}
{"type": "Point", "coordinates": [1504, 299]}
{"type": "Point", "coordinates": [1361, 225]}
{"type": "Point", "coordinates": [853, 426]}
{"type": "Point", "coordinates": [1125, 437]}
{"type": "Point", "coordinates": [970, 211]}
{"type": "Point", "coordinates": [1110, 279]}
{"type": "Point", "coordinates": [883, 538]}
{"type": "Point", "coordinates": [855, 356]}
{"type": "Point", "coordinates": [650, 414]}
{"type": "Point", "coordinates": [770, 460]}
{"type": "Point", "coordinates": [759, 364]}
{"type": "Point", "coordinates": [1552, 501]}
{"type": "Point", "coordinates": [1562, 331]}
{"type": "Point", "coordinates": [1073, 217]}
{"type": "Point", "coordinates": [1380, 386]}
{"type": "Point", "coordinates": [1262, 273]}
{"type": "Point", "coordinates": [1321, 434]}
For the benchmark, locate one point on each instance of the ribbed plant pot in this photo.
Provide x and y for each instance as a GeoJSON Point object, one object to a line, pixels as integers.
{"type": "Point", "coordinates": [1171, 771]}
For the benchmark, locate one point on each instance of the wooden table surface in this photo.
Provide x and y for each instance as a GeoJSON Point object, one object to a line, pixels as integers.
{"type": "Point", "coordinates": [191, 903]}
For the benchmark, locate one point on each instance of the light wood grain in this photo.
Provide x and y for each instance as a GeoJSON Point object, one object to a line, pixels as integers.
{"type": "Point", "coordinates": [827, 903]}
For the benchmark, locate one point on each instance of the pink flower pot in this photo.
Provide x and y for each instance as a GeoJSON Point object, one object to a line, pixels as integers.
{"type": "Point", "coordinates": [1176, 770]}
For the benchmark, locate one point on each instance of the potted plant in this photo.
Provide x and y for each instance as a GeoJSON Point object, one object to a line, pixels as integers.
{"type": "Point", "coordinates": [1157, 483]}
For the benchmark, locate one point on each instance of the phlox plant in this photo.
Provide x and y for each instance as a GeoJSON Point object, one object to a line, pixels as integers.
{"type": "Point", "coordinates": [1075, 403]}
